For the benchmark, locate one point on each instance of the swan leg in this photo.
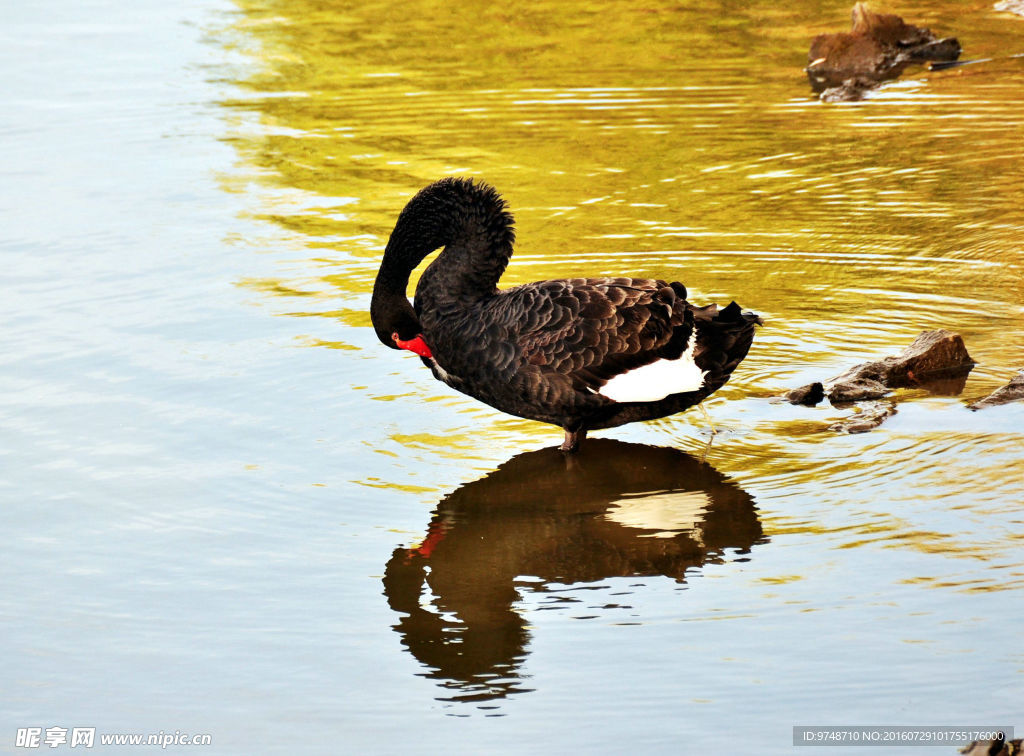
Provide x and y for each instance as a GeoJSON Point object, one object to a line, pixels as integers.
{"type": "Point", "coordinates": [573, 440]}
{"type": "Point", "coordinates": [707, 419]}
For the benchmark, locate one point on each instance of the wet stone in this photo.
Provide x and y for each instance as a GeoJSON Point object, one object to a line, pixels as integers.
{"type": "Point", "coordinates": [933, 357]}
{"type": "Point", "coordinates": [868, 418]}
{"type": "Point", "coordinates": [844, 66]}
{"type": "Point", "coordinates": [936, 361]}
{"type": "Point", "coordinates": [853, 89]}
{"type": "Point", "coordinates": [1011, 392]}
{"type": "Point", "coordinates": [855, 390]}
{"type": "Point", "coordinates": [808, 395]}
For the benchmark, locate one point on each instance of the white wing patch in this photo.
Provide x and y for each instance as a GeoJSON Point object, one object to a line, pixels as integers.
{"type": "Point", "coordinates": [657, 380]}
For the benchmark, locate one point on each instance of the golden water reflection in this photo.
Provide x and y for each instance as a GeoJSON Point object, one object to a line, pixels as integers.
{"type": "Point", "coordinates": [675, 141]}
{"type": "Point", "coordinates": [648, 144]}
{"type": "Point", "coordinates": [543, 521]}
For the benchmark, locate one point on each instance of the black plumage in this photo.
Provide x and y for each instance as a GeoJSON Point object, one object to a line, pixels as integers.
{"type": "Point", "coordinates": [544, 350]}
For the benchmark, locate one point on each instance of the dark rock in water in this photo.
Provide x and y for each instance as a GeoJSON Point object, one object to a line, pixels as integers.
{"type": "Point", "coordinates": [887, 28]}
{"type": "Point", "coordinates": [866, 419]}
{"type": "Point", "coordinates": [932, 359]}
{"type": "Point", "coordinates": [936, 361]}
{"type": "Point", "coordinates": [941, 50]}
{"type": "Point", "coordinates": [808, 395]}
{"type": "Point", "coordinates": [856, 389]}
{"type": "Point", "coordinates": [1011, 392]}
{"type": "Point", "coordinates": [994, 748]}
{"type": "Point", "coordinates": [853, 89]}
{"type": "Point", "coordinates": [844, 66]}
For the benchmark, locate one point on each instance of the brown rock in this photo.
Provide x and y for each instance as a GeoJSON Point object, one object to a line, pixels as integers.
{"type": "Point", "coordinates": [936, 361]}
{"type": "Point", "coordinates": [1011, 392]}
{"type": "Point", "coordinates": [856, 389]}
{"type": "Point", "coordinates": [845, 65]}
{"type": "Point", "coordinates": [887, 28]}
{"type": "Point", "coordinates": [933, 356]}
{"type": "Point", "coordinates": [941, 50]}
{"type": "Point", "coordinates": [853, 89]}
{"type": "Point", "coordinates": [808, 395]}
{"type": "Point", "coordinates": [866, 419]}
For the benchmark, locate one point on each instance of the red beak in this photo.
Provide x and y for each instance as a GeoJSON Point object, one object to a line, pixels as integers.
{"type": "Point", "coordinates": [416, 345]}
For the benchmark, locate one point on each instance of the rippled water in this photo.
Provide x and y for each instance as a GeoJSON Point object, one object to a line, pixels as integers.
{"type": "Point", "coordinates": [230, 511]}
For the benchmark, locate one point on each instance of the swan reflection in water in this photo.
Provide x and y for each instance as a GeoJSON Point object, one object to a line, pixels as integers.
{"type": "Point", "coordinates": [614, 509]}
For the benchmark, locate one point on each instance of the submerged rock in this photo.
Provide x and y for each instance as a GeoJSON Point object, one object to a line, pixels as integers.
{"type": "Point", "coordinates": [808, 395]}
{"type": "Point", "coordinates": [1011, 392]}
{"type": "Point", "coordinates": [844, 66]}
{"type": "Point", "coordinates": [853, 89]}
{"type": "Point", "coordinates": [856, 389]}
{"type": "Point", "coordinates": [867, 418]}
{"type": "Point", "coordinates": [936, 360]}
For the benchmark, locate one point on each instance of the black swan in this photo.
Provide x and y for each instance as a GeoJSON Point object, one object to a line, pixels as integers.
{"type": "Point", "coordinates": [580, 353]}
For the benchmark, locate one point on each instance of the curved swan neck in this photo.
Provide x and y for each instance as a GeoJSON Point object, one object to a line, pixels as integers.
{"type": "Point", "coordinates": [469, 219]}
{"type": "Point", "coordinates": [390, 311]}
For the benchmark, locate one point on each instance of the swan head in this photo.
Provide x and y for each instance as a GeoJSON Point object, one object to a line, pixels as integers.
{"type": "Point", "coordinates": [394, 320]}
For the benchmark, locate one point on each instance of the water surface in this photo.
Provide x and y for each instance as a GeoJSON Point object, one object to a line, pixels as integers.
{"type": "Point", "coordinates": [230, 510]}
